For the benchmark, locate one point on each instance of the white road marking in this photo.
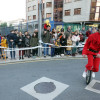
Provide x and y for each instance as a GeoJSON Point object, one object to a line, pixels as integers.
{"type": "Point", "coordinates": [60, 87]}
{"type": "Point", "coordinates": [90, 86]}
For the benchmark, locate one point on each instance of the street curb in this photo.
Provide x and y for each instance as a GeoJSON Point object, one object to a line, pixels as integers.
{"type": "Point", "coordinates": [40, 59]}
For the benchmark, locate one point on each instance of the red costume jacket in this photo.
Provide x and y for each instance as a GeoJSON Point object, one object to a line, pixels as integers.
{"type": "Point", "coordinates": [93, 42]}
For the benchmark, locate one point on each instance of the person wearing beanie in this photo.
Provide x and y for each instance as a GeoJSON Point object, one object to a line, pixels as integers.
{"type": "Point", "coordinates": [92, 51]}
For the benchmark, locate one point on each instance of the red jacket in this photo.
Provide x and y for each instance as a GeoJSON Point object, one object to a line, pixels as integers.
{"type": "Point", "coordinates": [88, 33]}
{"type": "Point", "coordinates": [45, 26]}
{"type": "Point", "coordinates": [93, 42]}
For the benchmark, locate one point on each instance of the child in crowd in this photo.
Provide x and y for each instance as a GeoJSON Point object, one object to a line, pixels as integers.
{"type": "Point", "coordinates": [52, 41]}
{"type": "Point", "coordinates": [57, 43]}
{"type": "Point", "coordinates": [69, 43]}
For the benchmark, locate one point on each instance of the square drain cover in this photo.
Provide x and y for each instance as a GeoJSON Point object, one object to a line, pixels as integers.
{"type": "Point", "coordinates": [94, 86]}
{"type": "Point", "coordinates": [45, 88]}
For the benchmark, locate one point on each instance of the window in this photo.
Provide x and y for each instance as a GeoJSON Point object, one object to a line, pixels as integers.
{"type": "Point", "coordinates": [93, 10]}
{"type": "Point", "coordinates": [48, 15]}
{"type": "Point", "coordinates": [49, 4]}
{"type": "Point", "coordinates": [34, 7]}
{"type": "Point", "coordinates": [29, 8]}
{"type": "Point", "coordinates": [29, 17]}
{"type": "Point", "coordinates": [67, 1]}
{"type": "Point", "coordinates": [34, 17]}
{"type": "Point", "coordinates": [77, 11]}
{"type": "Point", "coordinates": [67, 12]}
{"type": "Point", "coordinates": [97, 14]}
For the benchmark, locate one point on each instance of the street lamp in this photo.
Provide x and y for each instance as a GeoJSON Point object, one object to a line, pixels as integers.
{"type": "Point", "coordinates": [40, 27]}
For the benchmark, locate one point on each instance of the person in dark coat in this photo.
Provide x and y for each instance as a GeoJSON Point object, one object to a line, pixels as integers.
{"type": "Point", "coordinates": [12, 40]}
{"type": "Point", "coordinates": [27, 43]}
{"type": "Point", "coordinates": [68, 32]}
{"type": "Point", "coordinates": [88, 32]}
{"type": "Point", "coordinates": [63, 43]}
{"type": "Point", "coordinates": [34, 43]}
{"type": "Point", "coordinates": [46, 39]}
{"type": "Point", "coordinates": [21, 44]}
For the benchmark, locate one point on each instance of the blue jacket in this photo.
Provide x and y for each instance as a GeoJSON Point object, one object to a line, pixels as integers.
{"type": "Point", "coordinates": [0, 39]}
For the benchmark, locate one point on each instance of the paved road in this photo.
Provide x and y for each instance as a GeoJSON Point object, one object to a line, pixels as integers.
{"type": "Point", "coordinates": [15, 76]}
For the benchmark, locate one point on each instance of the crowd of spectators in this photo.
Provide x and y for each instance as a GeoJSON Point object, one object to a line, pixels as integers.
{"type": "Point", "coordinates": [53, 41]}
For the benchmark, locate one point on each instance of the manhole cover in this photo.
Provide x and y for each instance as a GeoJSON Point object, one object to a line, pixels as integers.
{"type": "Point", "coordinates": [45, 87]}
{"type": "Point", "coordinates": [96, 86]}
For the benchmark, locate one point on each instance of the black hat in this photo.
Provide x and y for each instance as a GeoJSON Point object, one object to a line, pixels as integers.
{"type": "Point", "coordinates": [62, 30]}
{"type": "Point", "coordinates": [99, 26]}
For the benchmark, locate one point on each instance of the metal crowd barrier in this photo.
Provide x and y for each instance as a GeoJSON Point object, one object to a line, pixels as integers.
{"type": "Point", "coordinates": [37, 47]}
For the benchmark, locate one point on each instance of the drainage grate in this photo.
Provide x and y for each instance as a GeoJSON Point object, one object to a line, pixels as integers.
{"type": "Point", "coordinates": [45, 87]}
{"type": "Point", "coordinates": [96, 86]}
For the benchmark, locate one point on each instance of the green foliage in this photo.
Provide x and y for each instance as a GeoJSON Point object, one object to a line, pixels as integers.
{"type": "Point", "coordinates": [3, 24]}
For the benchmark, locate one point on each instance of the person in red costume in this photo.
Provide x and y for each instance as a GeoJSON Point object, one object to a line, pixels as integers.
{"type": "Point", "coordinates": [91, 50]}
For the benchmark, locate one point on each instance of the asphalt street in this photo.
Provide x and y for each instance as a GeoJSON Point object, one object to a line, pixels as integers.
{"type": "Point", "coordinates": [67, 71]}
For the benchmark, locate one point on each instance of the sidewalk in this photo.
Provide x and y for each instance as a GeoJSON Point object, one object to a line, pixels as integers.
{"type": "Point", "coordinates": [36, 58]}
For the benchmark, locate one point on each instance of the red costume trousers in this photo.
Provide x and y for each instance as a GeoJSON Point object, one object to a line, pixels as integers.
{"type": "Point", "coordinates": [93, 63]}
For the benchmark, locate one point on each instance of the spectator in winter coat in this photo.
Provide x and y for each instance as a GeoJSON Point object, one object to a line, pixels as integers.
{"type": "Point", "coordinates": [81, 37]}
{"type": "Point", "coordinates": [52, 41]}
{"type": "Point", "coordinates": [63, 43]}
{"type": "Point", "coordinates": [46, 39]}
{"type": "Point", "coordinates": [54, 33]}
{"type": "Point", "coordinates": [68, 32]}
{"type": "Point", "coordinates": [34, 43]}
{"type": "Point", "coordinates": [0, 45]}
{"type": "Point", "coordinates": [21, 44]}
{"type": "Point", "coordinates": [88, 32]}
{"type": "Point", "coordinates": [69, 43]}
{"type": "Point", "coordinates": [57, 44]}
{"type": "Point", "coordinates": [83, 31]}
{"type": "Point", "coordinates": [12, 40]}
{"type": "Point", "coordinates": [75, 40]}
{"type": "Point", "coordinates": [4, 44]}
{"type": "Point", "coordinates": [27, 44]}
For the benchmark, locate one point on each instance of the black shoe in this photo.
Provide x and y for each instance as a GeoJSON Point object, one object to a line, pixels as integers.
{"type": "Point", "coordinates": [19, 58]}
{"type": "Point", "coordinates": [22, 57]}
{"type": "Point", "coordinates": [44, 56]}
{"type": "Point", "coordinates": [29, 56]}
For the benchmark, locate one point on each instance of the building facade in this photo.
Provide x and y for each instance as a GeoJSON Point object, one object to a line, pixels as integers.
{"type": "Point", "coordinates": [31, 10]}
{"type": "Point", "coordinates": [65, 12]}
